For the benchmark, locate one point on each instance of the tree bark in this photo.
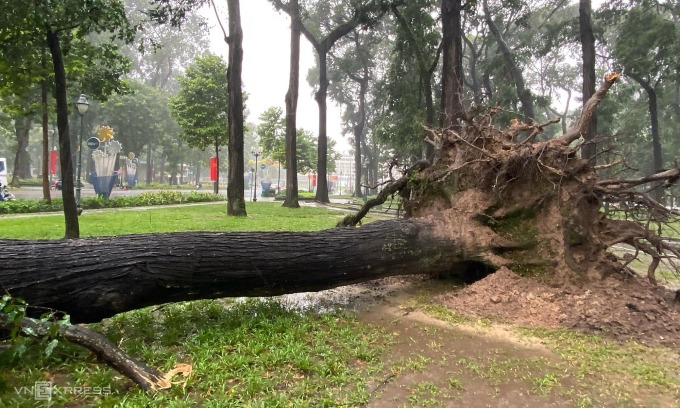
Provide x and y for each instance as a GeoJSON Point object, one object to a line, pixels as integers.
{"type": "Point", "coordinates": [321, 97]}
{"type": "Point", "coordinates": [92, 279]}
{"type": "Point", "coordinates": [72, 229]}
{"type": "Point", "coordinates": [291, 200]}
{"type": "Point", "coordinates": [589, 149]}
{"type": "Point", "coordinates": [236, 204]}
{"type": "Point", "coordinates": [452, 109]}
{"type": "Point", "coordinates": [22, 161]}
{"type": "Point", "coordinates": [657, 155]}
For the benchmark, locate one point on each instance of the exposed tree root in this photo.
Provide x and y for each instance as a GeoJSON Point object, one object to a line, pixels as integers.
{"type": "Point", "coordinates": [538, 197]}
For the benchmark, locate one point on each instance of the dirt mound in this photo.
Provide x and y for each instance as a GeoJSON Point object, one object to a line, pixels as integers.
{"type": "Point", "coordinates": [621, 309]}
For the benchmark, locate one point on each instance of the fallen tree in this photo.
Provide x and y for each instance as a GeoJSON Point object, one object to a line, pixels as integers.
{"type": "Point", "coordinates": [491, 198]}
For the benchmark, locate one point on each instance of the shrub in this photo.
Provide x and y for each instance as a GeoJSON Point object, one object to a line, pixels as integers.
{"type": "Point", "coordinates": [22, 206]}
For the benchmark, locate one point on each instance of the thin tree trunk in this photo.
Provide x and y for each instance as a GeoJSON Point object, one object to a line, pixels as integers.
{"type": "Point", "coordinates": [589, 149]}
{"type": "Point", "coordinates": [236, 204]}
{"type": "Point", "coordinates": [72, 229]}
{"type": "Point", "coordinates": [291, 200]}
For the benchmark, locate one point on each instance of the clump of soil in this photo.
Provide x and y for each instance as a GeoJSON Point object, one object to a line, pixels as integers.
{"type": "Point", "coordinates": [621, 309]}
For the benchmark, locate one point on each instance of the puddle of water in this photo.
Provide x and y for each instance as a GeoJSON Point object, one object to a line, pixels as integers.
{"type": "Point", "coordinates": [353, 298]}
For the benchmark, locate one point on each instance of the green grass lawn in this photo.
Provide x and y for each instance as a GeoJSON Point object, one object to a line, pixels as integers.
{"type": "Point", "coordinates": [262, 216]}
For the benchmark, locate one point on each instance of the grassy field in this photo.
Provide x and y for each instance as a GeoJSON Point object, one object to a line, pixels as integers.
{"type": "Point", "coordinates": [262, 216]}
{"type": "Point", "coordinates": [264, 353]}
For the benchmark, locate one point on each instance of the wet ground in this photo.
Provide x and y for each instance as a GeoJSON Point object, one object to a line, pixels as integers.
{"type": "Point", "coordinates": [446, 358]}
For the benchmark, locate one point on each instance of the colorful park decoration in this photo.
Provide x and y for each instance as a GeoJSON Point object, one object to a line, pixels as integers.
{"type": "Point", "coordinates": [104, 158]}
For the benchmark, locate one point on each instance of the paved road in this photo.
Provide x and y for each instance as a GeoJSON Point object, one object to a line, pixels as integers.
{"type": "Point", "coordinates": [35, 193]}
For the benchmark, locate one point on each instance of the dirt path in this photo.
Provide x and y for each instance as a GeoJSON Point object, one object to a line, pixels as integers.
{"type": "Point", "coordinates": [441, 357]}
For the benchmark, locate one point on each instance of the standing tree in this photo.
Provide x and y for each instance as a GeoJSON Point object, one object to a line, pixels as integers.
{"type": "Point", "coordinates": [323, 34]}
{"type": "Point", "coordinates": [293, 10]}
{"type": "Point", "coordinates": [658, 63]}
{"type": "Point", "coordinates": [236, 204]}
{"type": "Point", "coordinates": [585, 11]}
{"type": "Point", "coordinates": [63, 25]}
{"type": "Point", "coordinates": [523, 93]}
{"type": "Point", "coordinates": [201, 105]}
{"type": "Point", "coordinates": [452, 110]}
{"type": "Point", "coordinates": [417, 37]}
{"type": "Point", "coordinates": [271, 134]}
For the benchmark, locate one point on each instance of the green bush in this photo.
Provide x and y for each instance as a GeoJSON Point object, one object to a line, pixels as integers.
{"type": "Point", "coordinates": [301, 194]}
{"type": "Point", "coordinates": [22, 206]}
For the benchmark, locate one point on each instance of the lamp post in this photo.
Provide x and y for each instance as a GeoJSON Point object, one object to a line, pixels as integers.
{"type": "Point", "coordinates": [51, 132]}
{"type": "Point", "coordinates": [82, 105]}
{"type": "Point", "coordinates": [257, 152]}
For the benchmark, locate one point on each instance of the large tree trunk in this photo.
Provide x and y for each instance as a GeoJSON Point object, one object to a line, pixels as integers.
{"type": "Point", "coordinates": [589, 150]}
{"type": "Point", "coordinates": [65, 161]}
{"type": "Point", "coordinates": [236, 204]}
{"type": "Point", "coordinates": [657, 154]}
{"type": "Point", "coordinates": [291, 200]}
{"type": "Point", "coordinates": [452, 109]}
{"type": "Point", "coordinates": [96, 278]}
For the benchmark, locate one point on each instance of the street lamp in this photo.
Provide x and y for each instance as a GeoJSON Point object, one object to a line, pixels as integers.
{"type": "Point", "coordinates": [51, 159]}
{"type": "Point", "coordinates": [82, 105]}
{"type": "Point", "coordinates": [257, 152]}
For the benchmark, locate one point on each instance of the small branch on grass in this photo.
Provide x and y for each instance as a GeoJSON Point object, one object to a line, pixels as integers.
{"type": "Point", "coordinates": [146, 377]}
{"type": "Point", "coordinates": [392, 188]}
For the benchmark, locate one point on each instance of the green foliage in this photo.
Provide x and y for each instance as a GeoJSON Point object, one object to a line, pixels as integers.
{"type": "Point", "coordinates": [272, 134]}
{"type": "Point", "coordinates": [201, 105]}
{"type": "Point", "coordinates": [138, 118]}
{"type": "Point", "coordinates": [145, 199]}
{"type": "Point", "coordinates": [649, 43]}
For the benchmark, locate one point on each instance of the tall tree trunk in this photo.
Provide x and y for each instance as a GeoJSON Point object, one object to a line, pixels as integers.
{"type": "Point", "coordinates": [52, 273]}
{"type": "Point", "coordinates": [236, 204]}
{"type": "Point", "coordinates": [452, 109]}
{"type": "Point", "coordinates": [657, 156]}
{"type": "Point", "coordinates": [359, 129]}
{"type": "Point", "coordinates": [291, 200]}
{"type": "Point", "coordinates": [589, 149]}
{"type": "Point", "coordinates": [45, 142]}
{"type": "Point", "coordinates": [67, 191]}
{"type": "Point", "coordinates": [22, 128]}
{"type": "Point", "coordinates": [321, 97]}
{"type": "Point", "coordinates": [523, 93]}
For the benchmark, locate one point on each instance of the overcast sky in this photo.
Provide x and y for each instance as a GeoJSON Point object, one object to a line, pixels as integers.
{"type": "Point", "coordinates": [266, 59]}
